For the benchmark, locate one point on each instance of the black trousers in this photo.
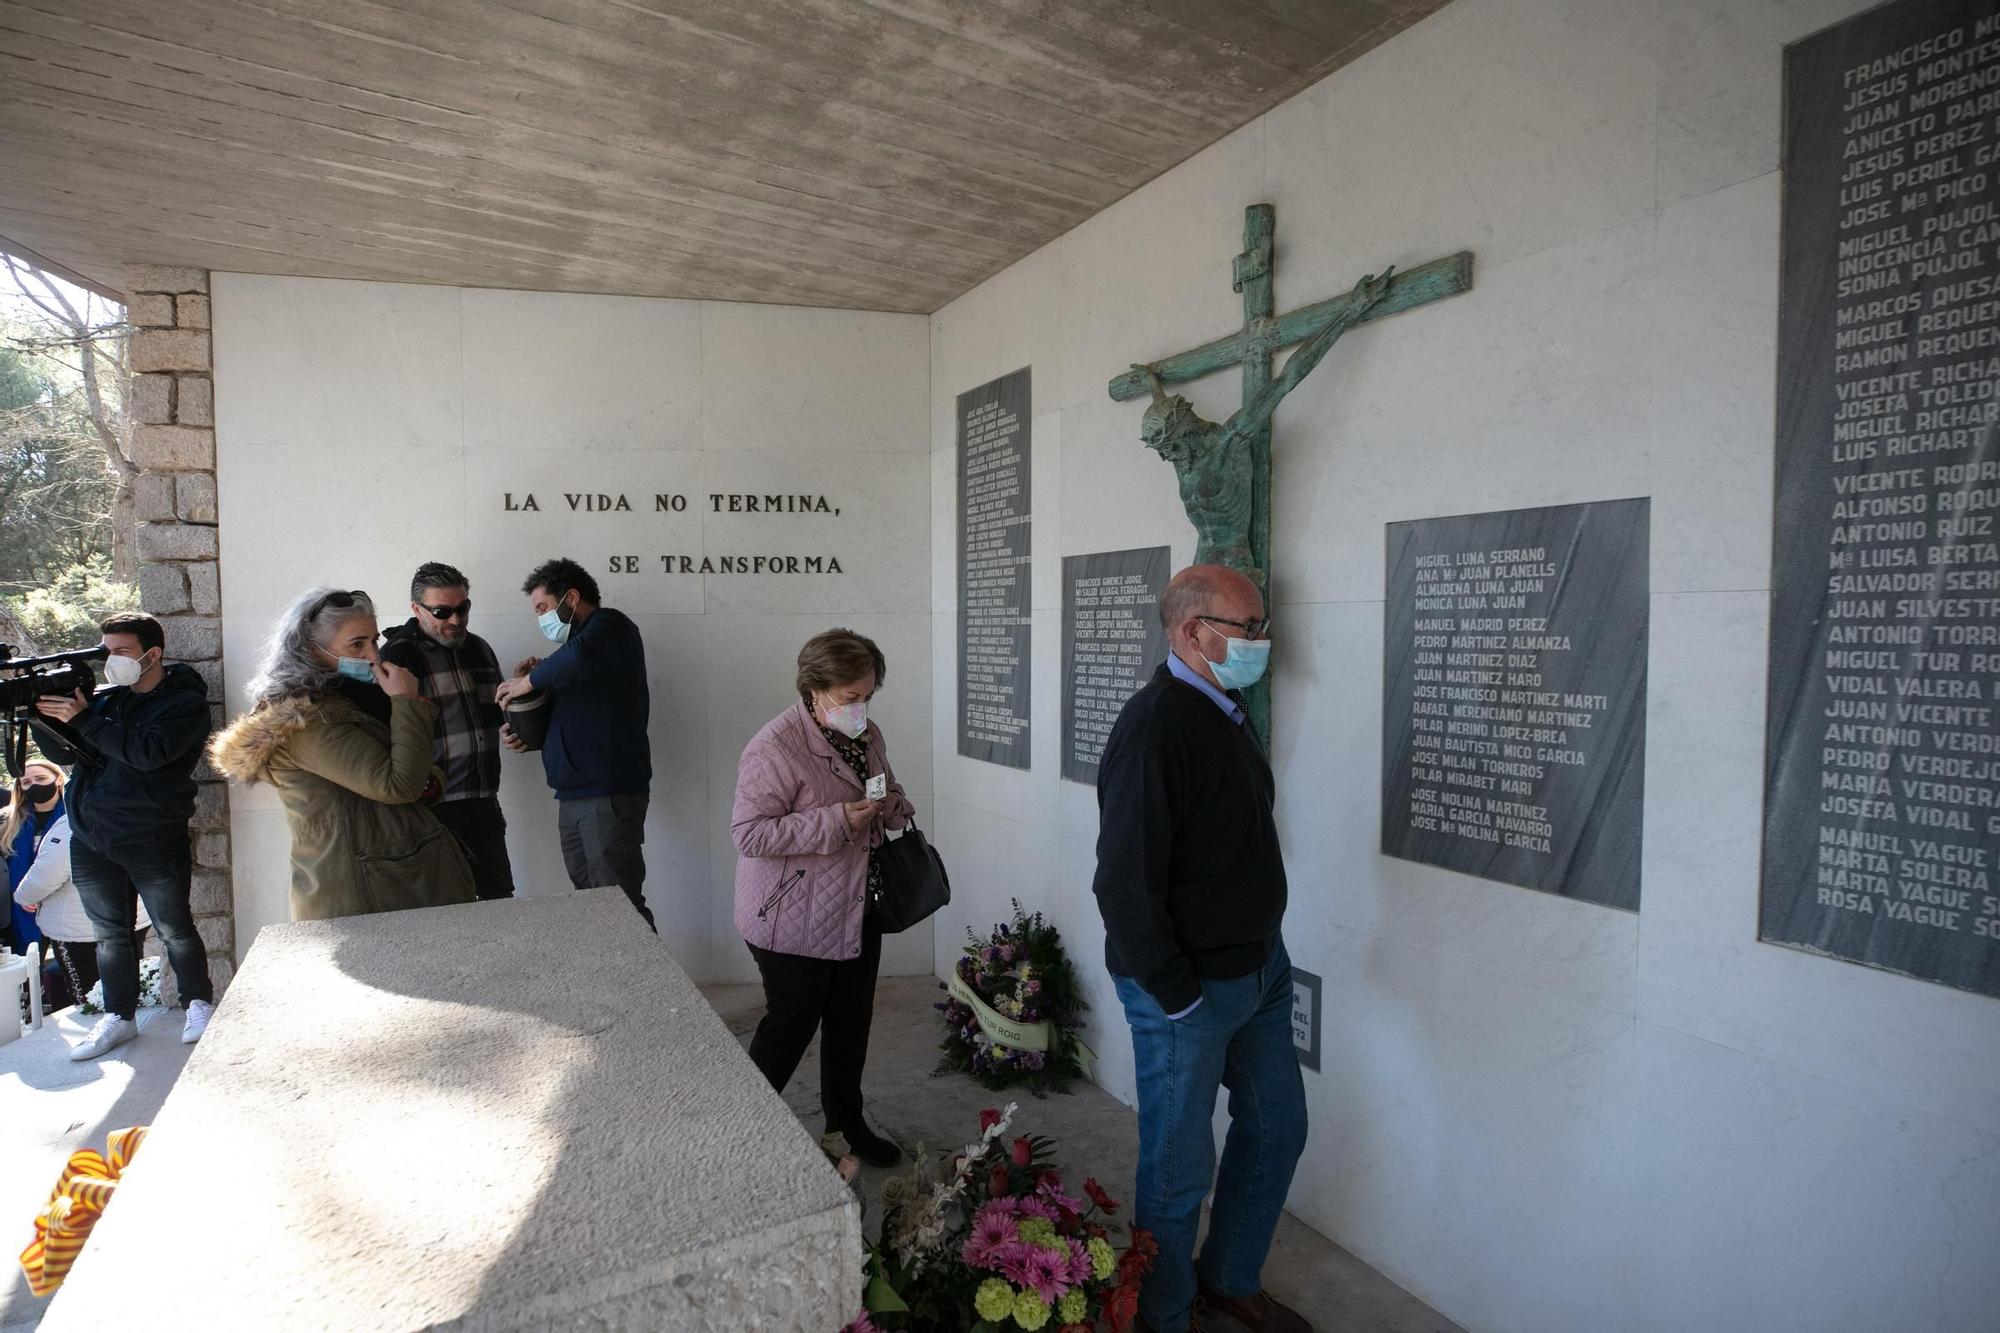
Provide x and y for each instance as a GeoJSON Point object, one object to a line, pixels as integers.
{"type": "Point", "coordinates": [75, 970]}
{"type": "Point", "coordinates": [112, 881]}
{"type": "Point", "coordinates": [482, 830]}
{"type": "Point", "coordinates": [833, 996]}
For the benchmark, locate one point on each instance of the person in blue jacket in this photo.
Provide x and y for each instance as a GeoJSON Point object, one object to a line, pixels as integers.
{"type": "Point", "coordinates": [132, 749]}
{"type": "Point", "coordinates": [34, 805]}
{"type": "Point", "coordinates": [596, 756]}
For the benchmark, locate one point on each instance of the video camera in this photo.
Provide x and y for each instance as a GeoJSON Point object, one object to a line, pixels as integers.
{"type": "Point", "coordinates": [26, 679]}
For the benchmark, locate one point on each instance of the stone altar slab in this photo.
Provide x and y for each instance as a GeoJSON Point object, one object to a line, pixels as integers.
{"type": "Point", "coordinates": [508, 1115]}
{"type": "Point", "coordinates": [1882, 794]}
{"type": "Point", "coordinates": [1514, 696]}
{"type": "Point", "coordinates": [1112, 642]}
{"type": "Point", "coordinates": [995, 518]}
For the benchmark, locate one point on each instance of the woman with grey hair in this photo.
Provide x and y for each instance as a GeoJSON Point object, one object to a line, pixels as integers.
{"type": "Point", "coordinates": [345, 740]}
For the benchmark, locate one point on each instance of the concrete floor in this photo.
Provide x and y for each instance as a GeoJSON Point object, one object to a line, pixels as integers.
{"type": "Point", "coordinates": [51, 1106]}
{"type": "Point", "coordinates": [1331, 1287]}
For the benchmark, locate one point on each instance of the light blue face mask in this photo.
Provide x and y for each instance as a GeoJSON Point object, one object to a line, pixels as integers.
{"type": "Point", "coordinates": [554, 628]}
{"type": "Point", "coordinates": [358, 668]}
{"type": "Point", "coordinates": [1244, 662]}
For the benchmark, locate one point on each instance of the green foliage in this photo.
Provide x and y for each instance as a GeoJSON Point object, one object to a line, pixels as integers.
{"type": "Point", "coordinates": [56, 486]}
{"type": "Point", "coordinates": [65, 613]}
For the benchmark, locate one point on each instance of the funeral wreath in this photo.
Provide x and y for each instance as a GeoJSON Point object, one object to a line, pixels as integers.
{"type": "Point", "coordinates": [1013, 1009]}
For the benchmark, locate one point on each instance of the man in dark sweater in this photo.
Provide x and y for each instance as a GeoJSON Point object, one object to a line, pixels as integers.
{"type": "Point", "coordinates": [1191, 885]}
{"type": "Point", "coordinates": [596, 755]}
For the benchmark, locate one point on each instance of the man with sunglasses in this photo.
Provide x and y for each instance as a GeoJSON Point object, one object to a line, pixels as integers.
{"type": "Point", "coordinates": [1191, 884]}
{"type": "Point", "coordinates": [457, 671]}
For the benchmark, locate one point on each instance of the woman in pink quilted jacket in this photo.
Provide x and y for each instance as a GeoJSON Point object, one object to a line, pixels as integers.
{"type": "Point", "coordinates": [808, 838]}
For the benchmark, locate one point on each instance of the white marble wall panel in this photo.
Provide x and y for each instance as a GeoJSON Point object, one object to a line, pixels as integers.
{"type": "Point", "coordinates": [325, 364]}
{"type": "Point", "coordinates": [1536, 1114]}
{"type": "Point", "coordinates": [546, 370]}
{"type": "Point", "coordinates": [824, 381]}
{"type": "Point", "coordinates": [344, 459]}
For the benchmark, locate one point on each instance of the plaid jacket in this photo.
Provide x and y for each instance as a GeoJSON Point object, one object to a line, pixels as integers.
{"type": "Point", "coordinates": [460, 681]}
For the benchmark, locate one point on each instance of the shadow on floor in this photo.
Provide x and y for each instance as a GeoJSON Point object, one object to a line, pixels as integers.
{"type": "Point", "coordinates": [1094, 1134]}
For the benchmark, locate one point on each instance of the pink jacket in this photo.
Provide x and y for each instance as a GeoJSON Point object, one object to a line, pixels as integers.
{"type": "Point", "coordinates": [801, 875]}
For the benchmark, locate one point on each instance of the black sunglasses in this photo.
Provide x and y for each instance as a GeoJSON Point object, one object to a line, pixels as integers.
{"type": "Point", "coordinates": [1255, 629]}
{"type": "Point", "coordinates": [338, 600]}
{"type": "Point", "coordinates": [463, 609]}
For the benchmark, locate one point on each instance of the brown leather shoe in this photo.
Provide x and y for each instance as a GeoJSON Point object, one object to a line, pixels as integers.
{"type": "Point", "coordinates": [1260, 1313]}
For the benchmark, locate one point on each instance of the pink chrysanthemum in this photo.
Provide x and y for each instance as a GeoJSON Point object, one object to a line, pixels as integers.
{"type": "Point", "coordinates": [993, 1229]}
{"type": "Point", "coordinates": [1050, 1191]}
{"type": "Point", "coordinates": [1046, 1273]}
{"type": "Point", "coordinates": [1031, 1205]}
{"type": "Point", "coordinates": [1079, 1262]}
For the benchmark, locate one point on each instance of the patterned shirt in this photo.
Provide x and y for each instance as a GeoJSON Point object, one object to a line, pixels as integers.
{"type": "Point", "coordinates": [854, 749]}
{"type": "Point", "coordinates": [460, 681]}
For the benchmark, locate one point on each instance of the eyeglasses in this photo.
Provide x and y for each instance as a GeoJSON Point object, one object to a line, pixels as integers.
{"type": "Point", "coordinates": [1252, 629]}
{"type": "Point", "coordinates": [338, 600]}
{"type": "Point", "coordinates": [462, 611]}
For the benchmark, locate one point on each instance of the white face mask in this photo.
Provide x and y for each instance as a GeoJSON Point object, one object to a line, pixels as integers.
{"type": "Point", "coordinates": [123, 670]}
{"type": "Point", "coordinates": [850, 720]}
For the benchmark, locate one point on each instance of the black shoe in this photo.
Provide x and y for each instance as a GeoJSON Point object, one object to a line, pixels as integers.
{"type": "Point", "coordinates": [871, 1147]}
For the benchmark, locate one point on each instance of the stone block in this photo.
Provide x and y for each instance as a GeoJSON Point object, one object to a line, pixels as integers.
{"type": "Point", "coordinates": [218, 933]}
{"type": "Point", "coordinates": [162, 589]}
{"type": "Point", "coordinates": [191, 312]}
{"type": "Point", "coordinates": [194, 497]}
{"type": "Point", "coordinates": [204, 588]}
{"type": "Point", "coordinates": [211, 807]}
{"type": "Point", "coordinates": [174, 541]}
{"type": "Point", "coordinates": [221, 971]}
{"type": "Point", "coordinates": [152, 400]}
{"type": "Point", "coordinates": [152, 311]}
{"type": "Point", "coordinates": [209, 893]}
{"type": "Point", "coordinates": [193, 638]}
{"type": "Point", "coordinates": [169, 349]}
{"type": "Point", "coordinates": [630, 1166]}
{"type": "Point", "coordinates": [153, 496]}
{"type": "Point", "coordinates": [164, 278]}
{"type": "Point", "coordinates": [210, 671]}
{"type": "Point", "coordinates": [218, 716]}
{"type": "Point", "coordinates": [195, 400]}
{"type": "Point", "coordinates": [173, 448]}
{"type": "Point", "coordinates": [212, 850]}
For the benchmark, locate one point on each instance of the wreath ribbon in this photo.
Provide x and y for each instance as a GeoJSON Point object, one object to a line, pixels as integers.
{"type": "Point", "coordinates": [82, 1193]}
{"type": "Point", "coordinates": [1005, 1031]}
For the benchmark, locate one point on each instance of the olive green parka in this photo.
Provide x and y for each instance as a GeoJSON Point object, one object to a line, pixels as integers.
{"type": "Point", "coordinates": [362, 841]}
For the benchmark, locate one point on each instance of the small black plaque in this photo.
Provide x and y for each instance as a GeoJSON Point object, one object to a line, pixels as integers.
{"type": "Point", "coordinates": [994, 520]}
{"type": "Point", "coordinates": [1112, 641]}
{"type": "Point", "coordinates": [1882, 799]}
{"type": "Point", "coordinates": [1305, 1016]}
{"type": "Point", "coordinates": [1514, 683]}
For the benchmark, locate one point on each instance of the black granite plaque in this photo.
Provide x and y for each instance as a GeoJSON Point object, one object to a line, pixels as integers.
{"type": "Point", "coordinates": [1514, 696]}
{"type": "Point", "coordinates": [1112, 642]}
{"type": "Point", "coordinates": [993, 583]}
{"type": "Point", "coordinates": [1306, 988]}
{"type": "Point", "coordinates": [1882, 803]}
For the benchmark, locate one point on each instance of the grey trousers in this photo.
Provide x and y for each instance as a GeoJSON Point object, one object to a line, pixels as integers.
{"type": "Point", "coordinates": [603, 843]}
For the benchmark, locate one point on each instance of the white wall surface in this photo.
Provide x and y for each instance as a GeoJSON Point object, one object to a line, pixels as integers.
{"type": "Point", "coordinates": [1537, 1114]}
{"type": "Point", "coordinates": [364, 428]}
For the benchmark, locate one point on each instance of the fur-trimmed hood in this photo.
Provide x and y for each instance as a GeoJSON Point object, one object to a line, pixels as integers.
{"type": "Point", "coordinates": [243, 749]}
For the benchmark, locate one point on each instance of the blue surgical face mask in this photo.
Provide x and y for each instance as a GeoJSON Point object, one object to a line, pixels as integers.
{"type": "Point", "coordinates": [1244, 662]}
{"type": "Point", "coordinates": [357, 668]}
{"type": "Point", "coordinates": [555, 625]}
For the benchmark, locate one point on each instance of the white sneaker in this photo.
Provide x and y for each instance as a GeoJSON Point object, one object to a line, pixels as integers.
{"type": "Point", "coordinates": [199, 1012]}
{"type": "Point", "coordinates": [111, 1030]}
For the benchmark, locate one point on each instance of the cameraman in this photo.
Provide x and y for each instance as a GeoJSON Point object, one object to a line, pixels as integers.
{"type": "Point", "coordinates": [130, 797]}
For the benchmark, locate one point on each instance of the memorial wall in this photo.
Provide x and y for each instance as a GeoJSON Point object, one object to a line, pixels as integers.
{"type": "Point", "coordinates": [1537, 1113]}
{"type": "Point", "coordinates": [737, 478]}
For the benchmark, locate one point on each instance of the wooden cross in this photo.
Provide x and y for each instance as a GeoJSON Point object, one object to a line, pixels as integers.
{"type": "Point", "coordinates": [1253, 347]}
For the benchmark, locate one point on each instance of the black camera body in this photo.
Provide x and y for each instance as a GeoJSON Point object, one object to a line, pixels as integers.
{"type": "Point", "coordinates": [26, 679]}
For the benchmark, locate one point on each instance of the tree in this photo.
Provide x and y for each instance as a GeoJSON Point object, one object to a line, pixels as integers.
{"type": "Point", "coordinates": [56, 496]}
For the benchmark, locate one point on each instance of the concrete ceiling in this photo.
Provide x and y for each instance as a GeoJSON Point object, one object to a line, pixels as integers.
{"type": "Point", "coordinates": [879, 154]}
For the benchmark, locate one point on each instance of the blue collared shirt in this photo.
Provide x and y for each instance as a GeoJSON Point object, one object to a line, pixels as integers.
{"type": "Point", "coordinates": [1183, 672]}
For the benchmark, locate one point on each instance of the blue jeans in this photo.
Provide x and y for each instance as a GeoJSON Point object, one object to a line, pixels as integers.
{"type": "Point", "coordinates": [112, 881]}
{"type": "Point", "coordinates": [1239, 1037]}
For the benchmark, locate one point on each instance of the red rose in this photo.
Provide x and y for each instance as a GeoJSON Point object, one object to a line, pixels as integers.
{"type": "Point", "coordinates": [1024, 1152]}
{"type": "Point", "coordinates": [1098, 1196]}
{"type": "Point", "coordinates": [988, 1119]}
{"type": "Point", "coordinates": [996, 1184]}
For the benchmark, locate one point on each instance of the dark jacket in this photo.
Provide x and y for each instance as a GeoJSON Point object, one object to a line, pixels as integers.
{"type": "Point", "coordinates": [133, 758]}
{"type": "Point", "coordinates": [362, 841]}
{"type": "Point", "coordinates": [460, 681]}
{"type": "Point", "coordinates": [1190, 880]}
{"type": "Point", "coordinates": [597, 744]}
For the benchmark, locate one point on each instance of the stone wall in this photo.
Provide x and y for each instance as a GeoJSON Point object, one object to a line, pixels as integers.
{"type": "Point", "coordinates": [172, 409]}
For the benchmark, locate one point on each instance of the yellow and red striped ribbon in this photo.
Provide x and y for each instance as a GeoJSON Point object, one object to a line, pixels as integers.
{"type": "Point", "coordinates": [80, 1197]}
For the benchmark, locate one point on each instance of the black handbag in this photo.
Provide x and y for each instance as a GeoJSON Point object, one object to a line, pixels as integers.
{"type": "Point", "coordinates": [914, 883]}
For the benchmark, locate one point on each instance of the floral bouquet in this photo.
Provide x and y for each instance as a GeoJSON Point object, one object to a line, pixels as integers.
{"type": "Point", "coordinates": [1013, 1009]}
{"type": "Point", "coordinates": [149, 989]}
{"type": "Point", "coordinates": [999, 1243]}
